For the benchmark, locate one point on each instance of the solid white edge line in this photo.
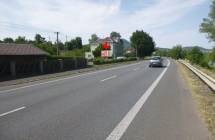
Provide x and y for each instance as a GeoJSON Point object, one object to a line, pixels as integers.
{"type": "Point", "coordinates": [85, 74]}
{"type": "Point", "coordinates": [122, 126]}
{"type": "Point", "coordinates": [12, 111]}
{"type": "Point", "coordinates": [112, 77]}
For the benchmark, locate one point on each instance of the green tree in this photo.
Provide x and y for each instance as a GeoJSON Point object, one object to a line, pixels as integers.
{"type": "Point", "coordinates": [74, 43]}
{"type": "Point", "coordinates": [48, 47]}
{"type": "Point", "coordinates": [143, 42]}
{"type": "Point", "coordinates": [195, 55]}
{"type": "Point", "coordinates": [97, 51]}
{"type": "Point", "coordinates": [79, 44]}
{"type": "Point", "coordinates": [177, 52]}
{"type": "Point", "coordinates": [161, 52]}
{"type": "Point", "coordinates": [60, 45]}
{"type": "Point", "coordinates": [212, 55]}
{"type": "Point", "coordinates": [208, 24]}
{"type": "Point", "coordinates": [39, 39]}
{"type": "Point", "coordinates": [71, 44]}
{"type": "Point", "coordinates": [93, 38]}
{"type": "Point", "coordinates": [86, 48]}
{"type": "Point", "coordinates": [115, 35]}
{"type": "Point", "coordinates": [8, 40]}
{"type": "Point", "coordinates": [21, 40]}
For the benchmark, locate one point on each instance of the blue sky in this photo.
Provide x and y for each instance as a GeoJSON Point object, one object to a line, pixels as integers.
{"type": "Point", "coordinates": [170, 22]}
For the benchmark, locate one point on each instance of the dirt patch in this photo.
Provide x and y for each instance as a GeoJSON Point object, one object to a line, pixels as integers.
{"type": "Point", "coordinates": [203, 96]}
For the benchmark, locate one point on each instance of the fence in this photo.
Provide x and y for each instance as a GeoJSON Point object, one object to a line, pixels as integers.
{"type": "Point", "coordinates": [23, 68]}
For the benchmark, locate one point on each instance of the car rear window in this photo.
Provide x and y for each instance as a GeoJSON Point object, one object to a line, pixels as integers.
{"type": "Point", "coordinates": [156, 58]}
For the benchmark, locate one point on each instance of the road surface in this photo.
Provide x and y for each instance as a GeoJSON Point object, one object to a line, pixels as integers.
{"type": "Point", "coordinates": [132, 102]}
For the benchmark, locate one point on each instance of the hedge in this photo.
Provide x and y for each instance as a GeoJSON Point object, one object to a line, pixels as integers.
{"type": "Point", "coordinates": [101, 61]}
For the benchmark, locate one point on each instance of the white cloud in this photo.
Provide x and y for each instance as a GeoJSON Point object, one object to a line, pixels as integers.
{"type": "Point", "coordinates": [188, 37]}
{"type": "Point", "coordinates": [84, 17]}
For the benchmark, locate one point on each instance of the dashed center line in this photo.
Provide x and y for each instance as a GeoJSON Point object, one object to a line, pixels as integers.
{"type": "Point", "coordinates": [112, 77]}
{"type": "Point", "coordinates": [12, 111]}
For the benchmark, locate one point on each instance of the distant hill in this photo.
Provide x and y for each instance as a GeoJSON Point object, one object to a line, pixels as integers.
{"type": "Point", "coordinates": [204, 50]}
{"type": "Point", "coordinates": [188, 48]}
{"type": "Point", "coordinates": [126, 43]}
{"type": "Point", "coordinates": [158, 48]}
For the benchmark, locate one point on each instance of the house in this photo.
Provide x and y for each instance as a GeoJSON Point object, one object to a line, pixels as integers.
{"type": "Point", "coordinates": [116, 47]}
{"type": "Point", "coordinates": [20, 58]}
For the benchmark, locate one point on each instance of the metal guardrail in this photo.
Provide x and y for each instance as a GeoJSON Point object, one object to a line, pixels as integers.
{"type": "Point", "coordinates": [205, 78]}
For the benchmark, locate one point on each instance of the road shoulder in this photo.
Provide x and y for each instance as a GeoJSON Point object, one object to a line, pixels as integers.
{"type": "Point", "coordinates": [202, 96]}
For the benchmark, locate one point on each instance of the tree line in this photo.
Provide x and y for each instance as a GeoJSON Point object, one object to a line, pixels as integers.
{"type": "Point", "coordinates": [141, 41]}
{"type": "Point", "coordinates": [195, 55]}
{"type": "Point", "coordinates": [40, 42]}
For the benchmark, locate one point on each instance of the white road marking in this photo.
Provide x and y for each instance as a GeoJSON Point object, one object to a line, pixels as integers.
{"type": "Point", "coordinates": [112, 77]}
{"type": "Point", "coordinates": [12, 111]}
{"type": "Point", "coordinates": [57, 80]}
{"type": "Point", "coordinates": [120, 129]}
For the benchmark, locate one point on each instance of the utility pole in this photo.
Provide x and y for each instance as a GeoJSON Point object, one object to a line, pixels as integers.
{"type": "Point", "coordinates": [57, 33]}
{"type": "Point", "coordinates": [66, 47]}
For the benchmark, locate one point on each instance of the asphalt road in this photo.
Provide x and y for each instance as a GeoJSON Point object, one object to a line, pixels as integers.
{"type": "Point", "coordinates": [132, 102]}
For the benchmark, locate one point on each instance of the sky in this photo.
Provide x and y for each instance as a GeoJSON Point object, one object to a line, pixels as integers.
{"type": "Point", "coordinates": [169, 22]}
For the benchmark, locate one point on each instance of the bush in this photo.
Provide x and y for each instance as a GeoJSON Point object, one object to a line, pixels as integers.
{"type": "Point", "coordinates": [205, 61]}
{"type": "Point", "coordinates": [177, 52]}
{"type": "Point", "coordinates": [97, 51]}
{"type": "Point", "coordinates": [100, 60]}
{"type": "Point", "coordinates": [195, 56]}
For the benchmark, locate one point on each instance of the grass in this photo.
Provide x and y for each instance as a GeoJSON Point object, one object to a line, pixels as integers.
{"type": "Point", "coordinates": [203, 96]}
{"type": "Point", "coordinates": [210, 72]}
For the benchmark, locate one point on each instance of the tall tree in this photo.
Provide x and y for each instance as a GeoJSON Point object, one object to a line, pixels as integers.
{"type": "Point", "coordinates": [39, 39]}
{"type": "Point", "coordinates": [143, 43]}
{"type": "Point", "coordinates": [115, 35]}
{"type": "Point", "coordinates": [74, 43]}
{"type": "Point", "coordinates": [177, 52]}
{"type": "Point", "coordinates": [78, 42]}
{"type": "Point", "coordinates": [195, 55]}
{"type": "Point", "coordinates": [93, 38]}
{"type": "Point", "coordinates": [48, 47]}
{"type": "Point", "coordinates": [208, 24]}
{"type": "Point", "coordinates": [8, 40]}
{"type": "Point", "coordinates": [21, 40]}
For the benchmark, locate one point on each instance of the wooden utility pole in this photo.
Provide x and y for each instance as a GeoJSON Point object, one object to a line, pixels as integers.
{"type": "Point", "coordinates": [57, 33]}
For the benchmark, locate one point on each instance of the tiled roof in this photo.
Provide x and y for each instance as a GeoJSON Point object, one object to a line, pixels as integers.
{"type": "Point", "coordinates": [101, 41]}
{"type": "Point", "coordinates": [20, 49]}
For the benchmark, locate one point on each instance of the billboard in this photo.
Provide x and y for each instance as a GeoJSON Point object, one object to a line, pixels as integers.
{"type": "Point", "coordinates": [106, 53]}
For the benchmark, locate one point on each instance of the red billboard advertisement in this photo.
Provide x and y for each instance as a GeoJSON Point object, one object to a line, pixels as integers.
{"type": "Point", "coordinates": [106, 53]}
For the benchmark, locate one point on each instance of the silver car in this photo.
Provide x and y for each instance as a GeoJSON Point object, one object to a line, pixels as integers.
{"type": "Point", "coordinates": [156, 61]}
